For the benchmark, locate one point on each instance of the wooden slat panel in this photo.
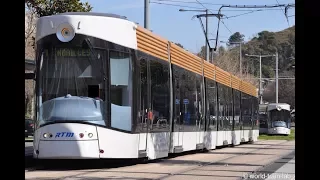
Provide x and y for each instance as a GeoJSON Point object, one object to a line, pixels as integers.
{"type": "Point", "coordinates": [145, 31]}
{"type": "Point", "coordinates": [235, 82]}
{"type": "Point", "coordinates": [157, 46]}
{"type": "Point", "coordinates": [184, 60]}
{"type": "Point", "coordinates": [245, 87]}
{"type": "Point", "coordinates": [185, 63]}
{"type": "Point", "coordinates": [198, 59]}
{"type": "Point", "coordinates": [186, 55]}
{"type": "Point", "coordinates": [223, 77]}
{"type": "Point", "coordinates": [153, 53]}
{"type": "Point", "coordinates": [208, 70]}
{"type": "Point", "coordinates": [151, 44]}
{"type": "Point", "coordinates": [177, 62]}
{"type": "Point", "coordinates": [151, 39]}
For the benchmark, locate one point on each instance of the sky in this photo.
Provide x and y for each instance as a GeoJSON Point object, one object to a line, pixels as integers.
{"type": "Point", "coordinates": [179, 27]}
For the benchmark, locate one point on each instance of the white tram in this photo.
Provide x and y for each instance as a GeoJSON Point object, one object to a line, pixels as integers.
{"type": "Point", "coordinates": [280, 119]}
{"type": "Point", "coordinates": [107, 88]}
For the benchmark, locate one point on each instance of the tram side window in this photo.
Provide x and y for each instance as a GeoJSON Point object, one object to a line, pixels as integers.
{"type": "Point", "coordinates": [237, 99]}
{"type": "Point", "coordinates": [255, 108]}
{"type": "Point", "coordinates": [221, 107]}
{"type": "Point", "coordinates": [142, 101]}
{"type": "Point", "coordinates": [160, 94]}
{"type": "Point", "coordinates": [179, 78]}
{"type": "Point", "coordinates": [176, 81]}
{"type": "Point", "coordinates": [198, 99]}
{"type": "Point", "coordinates": [230, 107]}
{"type": "Point", "coordinates": [121, 90]}
{"type": "Point", "coordinates": [189, 101]}
{"type": "Point", "coordinates": [246, 111]}
{"type": "Point", "coordinates": [224, 109]}
{"type": "Point", "coordinates": [211, 101]}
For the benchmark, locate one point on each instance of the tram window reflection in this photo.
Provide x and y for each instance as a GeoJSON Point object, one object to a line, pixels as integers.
{"type": "Point", "coordinates": [121, 90]}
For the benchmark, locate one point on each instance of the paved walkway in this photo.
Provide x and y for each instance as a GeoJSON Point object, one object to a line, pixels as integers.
{"type": "Point", "coordinates": [287, 171]}
{"type": "Point", "coordinates": [226, 164]}
{"type": "Point", "coordinates": [281, 169]}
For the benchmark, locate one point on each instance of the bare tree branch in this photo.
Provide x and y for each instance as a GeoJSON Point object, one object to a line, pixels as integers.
{"type": "Point", "coordinates": [30, 26]}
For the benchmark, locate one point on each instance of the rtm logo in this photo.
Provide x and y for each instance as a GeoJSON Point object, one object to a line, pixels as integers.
{"type": "Point", "coordinates": [64, 134]}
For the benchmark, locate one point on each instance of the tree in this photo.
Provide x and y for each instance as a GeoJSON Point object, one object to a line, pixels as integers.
{"type": "Point", "coordinates": [286, 90]}
{"type": "Point", "coordinates": [221, 50]}
{"type": "Point", "coordinates": [51, 7]}
{"type": "Point", "coordinates": [234, 38]}
{"type": "Point", "coordinates": [29, 32]}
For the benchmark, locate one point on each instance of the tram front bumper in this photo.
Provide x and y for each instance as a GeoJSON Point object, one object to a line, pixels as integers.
{"type": "Point", "coordinates": [77, 149]}
{"type": "Point", "coordinates": [279, 130]}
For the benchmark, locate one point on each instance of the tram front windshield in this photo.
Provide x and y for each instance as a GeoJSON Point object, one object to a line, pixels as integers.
{"type": "Point", "coordinates": [70, 83]}
{"type": "Point", "coordinates": [279, 118]}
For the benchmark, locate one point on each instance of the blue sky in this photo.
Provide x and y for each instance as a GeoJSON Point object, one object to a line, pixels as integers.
{"type": "Point", "coordinates": [169, 23]}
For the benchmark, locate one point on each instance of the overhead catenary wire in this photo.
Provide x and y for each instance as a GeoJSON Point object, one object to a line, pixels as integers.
{"type": "Point", "coordinates": [243, 8]}
{"type": "Point", "coordinates": [230, 10]}
{"type": "Point", "coordinates": [215, 48]}
{"type": "Point", "coordinates": [284, 14]}
{"type": "Point", "coordinates": [193, 2]}
{"type": "Point", "coordinates": [175, 5]}
{"type": "Point", "coordinates": [189, 2]}
{"type": "Point", "coordinates": [286, 10]}
{"type": "Point", "coordinates": [228, 17]}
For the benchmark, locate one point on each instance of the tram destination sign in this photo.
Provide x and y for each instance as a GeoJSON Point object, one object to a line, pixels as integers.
{"type": "Point", "coordinates": [68, 52]}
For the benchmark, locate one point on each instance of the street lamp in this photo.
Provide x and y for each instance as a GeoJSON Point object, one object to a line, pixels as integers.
{"type": "Point", "coordinates": [260, 79]}
{"type": "Point", "coordinates": [207, 32]}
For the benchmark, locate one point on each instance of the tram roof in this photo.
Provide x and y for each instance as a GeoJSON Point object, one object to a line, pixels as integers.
{"type": "Point", "coordinates": [94, 14]}
{"type": "Point", "coordinates": [278, 106]}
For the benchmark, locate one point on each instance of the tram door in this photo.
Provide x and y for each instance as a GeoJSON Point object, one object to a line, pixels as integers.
{"type": "Point", "coordinates": [145, 112]}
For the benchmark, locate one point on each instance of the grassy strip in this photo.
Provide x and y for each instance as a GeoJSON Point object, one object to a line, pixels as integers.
{"type": "Point", "coordinates": [28, 139]}
{"type": "Point", "coordinates": [278, 137]}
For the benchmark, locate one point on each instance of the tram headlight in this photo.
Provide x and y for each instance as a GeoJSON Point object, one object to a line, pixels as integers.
{"type": "Point", "coordinates": [90, 135]}
{"type": "Point", "coordinates": [65, 32]}
{"type": "Point", "coordinates": [45, 135]}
